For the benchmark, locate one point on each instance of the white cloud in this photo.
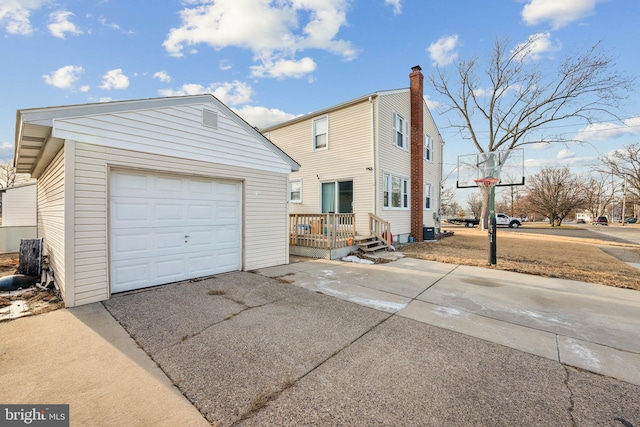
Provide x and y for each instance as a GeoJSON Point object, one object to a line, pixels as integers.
{"type": "Point", "coordinates": [558, 12]}
{"type": "Point", "coordinates": [443, 51]}
{"type": "Point", "coordinates": [273, 31]}
{"type": "Point", "coordinates": [535, 46]}
{"type": "Point", "coordinates": [284, 68]}
{"type": "Point", "coordinates": [64, 77]}
{"type": "Point", "coordinates": [229, 93]}
{"type": "Point", "coordinates": [565, 154]}
{"type": "Point", "coordinates": [397, 6]}
{"type": "Point", "coordinates": [114, 79]}
{"type": "Point", "coordinates": [225, 65]}
{"type": "Point", "coordinates": [606, 131]}
{"type": "Point", "coordinates": [163, 76]}
{"type": "Point", "coordinates": [113, 26]}
{"type": "Point", "coordinates": [59, 24]}
{"type": "Point", "coordinates": [14, 15]}
{"type": "Point", "coordinates": [432, 105]}
{"type": "Point", "coordinates": [263, 117]}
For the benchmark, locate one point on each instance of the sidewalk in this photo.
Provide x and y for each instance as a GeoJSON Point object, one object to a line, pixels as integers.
{"type": "Point", "coordinates": [584, 325]}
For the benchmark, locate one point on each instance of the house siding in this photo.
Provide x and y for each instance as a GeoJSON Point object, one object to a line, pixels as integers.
{"type": "Point", "coordinates": [265, 240]}
{"type": "Point", "coordinates": [19, 207]}
{"type": "Point", "coordinates": [175, 131]}
{"type": "Point", "coordinates": [391, 158]}
{"type": "Point", "coordinates": [349, 140]}
{"type": "Point", "coordinates": [51, 217]}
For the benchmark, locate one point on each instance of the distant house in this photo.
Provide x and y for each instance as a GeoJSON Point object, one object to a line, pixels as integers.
{"type": "Point", "coordinates": [19, 206]}
{"type": "Point", "coordinates": [138, 193]}
{"type": "Point", "coordinates": [380, 154]}
{"type": "Point", "coordinates": [19, 216]}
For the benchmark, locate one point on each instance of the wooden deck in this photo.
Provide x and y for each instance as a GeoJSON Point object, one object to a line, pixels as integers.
{"type": "Point", "coordinates": [322, 231]}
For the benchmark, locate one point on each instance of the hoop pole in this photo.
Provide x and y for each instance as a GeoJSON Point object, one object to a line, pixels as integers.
{"type": "Point", "coordinates": [492, 226]}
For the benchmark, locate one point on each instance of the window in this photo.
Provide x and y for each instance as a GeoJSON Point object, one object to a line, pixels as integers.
{"type": "Point", "coordinates": [427, 196]}
{"type": "Point", "coordinates": [320, 133]}
{"type": "Point", "coordinates": [400, 131]}
{"type": "Point", "coordinates": [395, 192]}
{"type": "Point", "coordinates": [428, 147]}
{"type": "Point", "coordinates": [295, 191]}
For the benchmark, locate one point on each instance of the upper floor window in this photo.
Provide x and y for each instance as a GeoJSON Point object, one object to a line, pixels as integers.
{"type": "Point", "coordinates": [295, 191]}
{"type": "Point", "coordinates": [428, 197]}
{"type": "Point", "coordinates": [428, 147]}
{"type": "Point", "coordinates": [400, 131]}
{"type": "Point", "coordinates": [395, 191]}
{"type": "Point", "coordinates": [320, 133]}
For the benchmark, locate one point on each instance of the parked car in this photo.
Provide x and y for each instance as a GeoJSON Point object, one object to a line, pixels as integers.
{"type": "Point", "coordinates": [601, 220]}
{"type": "Point", "coordinates": [630, 220]}
{"type": "Point", "coordinates": [581, 221]}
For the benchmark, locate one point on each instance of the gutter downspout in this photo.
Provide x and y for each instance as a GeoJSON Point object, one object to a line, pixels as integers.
{"type": "Point", "coordinates": [374, 168]}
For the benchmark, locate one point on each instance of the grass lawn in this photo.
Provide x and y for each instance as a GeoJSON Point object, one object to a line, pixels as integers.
{"type": "Point", "coordinates": [587, 260]}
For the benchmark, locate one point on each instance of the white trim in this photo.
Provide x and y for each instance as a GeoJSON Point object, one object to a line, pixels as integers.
{"type": "Point", "coordinates": [405, 193]}
{"type": "Point", "coordinates": [299, 180]}
{"type": "Point", "coordinates": [69, 223]}
{"type": "Point", "coordinates": [427, 147]}
{"type": "Point", "coordinates": [313, 133]}
{"type": "Point", "coordinates": [427, 192]}
{"type": "Point", "coordinates": [404, 130]}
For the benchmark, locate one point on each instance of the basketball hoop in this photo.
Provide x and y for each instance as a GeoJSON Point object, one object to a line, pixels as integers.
{"type": "Point", "coordinates": [486, 182]}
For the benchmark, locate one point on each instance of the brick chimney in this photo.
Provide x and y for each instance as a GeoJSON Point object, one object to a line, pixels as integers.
{"type": "Point", "coordinates": [417, 145]}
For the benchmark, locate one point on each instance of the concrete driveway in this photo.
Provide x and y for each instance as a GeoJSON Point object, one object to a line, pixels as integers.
{"type": "Point", "coordinates": [405, 343]}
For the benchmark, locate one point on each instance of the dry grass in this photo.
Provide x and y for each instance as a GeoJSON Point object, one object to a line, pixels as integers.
{"type": "Point", "coordinates": [543, 255]}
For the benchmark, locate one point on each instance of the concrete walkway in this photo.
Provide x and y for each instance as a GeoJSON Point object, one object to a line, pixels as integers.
{"type": "Point", "coordinates": [82, 357]}
{"type": "Point", "coordinates": [584, 325]}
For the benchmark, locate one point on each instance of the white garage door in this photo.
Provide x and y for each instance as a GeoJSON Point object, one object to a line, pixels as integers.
{"type": "Point", "coordinates": [167, 228]}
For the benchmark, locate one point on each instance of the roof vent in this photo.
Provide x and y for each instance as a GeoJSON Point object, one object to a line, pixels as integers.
{"type": "Point", "coordinates": [210, 119]}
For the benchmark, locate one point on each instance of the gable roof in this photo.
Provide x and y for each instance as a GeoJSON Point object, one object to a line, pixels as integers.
{"type": "Point", "coordinates": [335, 108]}
{"type": "Point", "coordinates": [34, 143]}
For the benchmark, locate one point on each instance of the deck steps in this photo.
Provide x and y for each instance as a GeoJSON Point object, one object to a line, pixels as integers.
{"type": "Point", "coordinates": [370, 243]}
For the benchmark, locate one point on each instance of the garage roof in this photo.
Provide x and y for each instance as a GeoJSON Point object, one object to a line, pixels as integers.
{"type": "Point", "coordinates": [35, 146]}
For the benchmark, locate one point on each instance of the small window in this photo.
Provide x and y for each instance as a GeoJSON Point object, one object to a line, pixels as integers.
{"type": "Point", "coordinates": [428, 147]}
{"type": "Point", "coordinates": [427, 196]}
{"type": "Point", "coordinates": [395, 192]}
{"type": "Point", "coordinates": [320, 134]}
{"type": "Point", "coordinates": [295, 191]}
{"type": "Point", "coordinates": [400, 131]}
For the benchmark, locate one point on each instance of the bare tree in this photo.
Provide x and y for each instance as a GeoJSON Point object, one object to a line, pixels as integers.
{"type": "Point", "coordinates": [598, 193]}
{"type": "Point", "coordinates": [516, 98]}
{"type": "Point", "coordinates": [7, 175]}
{"type": "Point", "coordinates": [625, 163]}
{"type": "Point", "coordinates": [474, 203]}
{"type": "Point", "coordinates": [448, 202]}
{"type": "Point", "coordinates": [554, 193]}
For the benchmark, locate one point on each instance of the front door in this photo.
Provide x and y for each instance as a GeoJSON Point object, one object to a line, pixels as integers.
{"type": "Point", "coordinates": [337, 197]}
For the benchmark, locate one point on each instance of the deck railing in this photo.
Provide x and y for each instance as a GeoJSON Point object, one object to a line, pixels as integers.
{"type": "Point", "coordinates": [380, 228]}
{"type": "Point", "coordinates": [325, 231]}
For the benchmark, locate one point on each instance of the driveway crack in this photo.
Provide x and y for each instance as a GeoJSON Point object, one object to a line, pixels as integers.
{"type": "Point", "coordinates": [571, 400]}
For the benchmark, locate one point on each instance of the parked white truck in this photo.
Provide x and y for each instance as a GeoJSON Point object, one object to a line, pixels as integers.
{"type": "Point", "coordinates": [501, 220]}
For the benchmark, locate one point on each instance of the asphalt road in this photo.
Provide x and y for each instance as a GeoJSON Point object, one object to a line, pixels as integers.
{"type": "Point", "coordinates": [612, 233]}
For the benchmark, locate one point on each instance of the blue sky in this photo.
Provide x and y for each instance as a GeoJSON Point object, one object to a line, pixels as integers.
{"type": "Point", "coordinates": [273, 60]}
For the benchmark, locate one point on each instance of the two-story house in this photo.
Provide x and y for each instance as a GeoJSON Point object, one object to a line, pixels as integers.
{"type": "Point", "coordinates": [380, 155]}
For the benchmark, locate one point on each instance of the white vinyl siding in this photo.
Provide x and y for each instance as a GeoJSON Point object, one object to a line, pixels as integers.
{"type": "Point", "coordinates": [348, 159]}
{"type": "Point", "coordinates": [295, 191]}
{"type": "Point", "coordinates": [321, 133]}
{"type": "Point", "coordinates": [265, 218]}
{"type": "Point", "coordinates": [19, 206]}
{"type": "Point", "coordinates": [51, 218]}
{"type": "Point", "coordinates": [175, 131]}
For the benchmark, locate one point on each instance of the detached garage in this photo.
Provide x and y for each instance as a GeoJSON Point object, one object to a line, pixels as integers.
{"type": "Point", "coordinates": [140, 193]}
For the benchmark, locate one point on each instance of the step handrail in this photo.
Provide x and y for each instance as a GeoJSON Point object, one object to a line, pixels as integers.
{"type": "Point", "coordinates": [380, 228]}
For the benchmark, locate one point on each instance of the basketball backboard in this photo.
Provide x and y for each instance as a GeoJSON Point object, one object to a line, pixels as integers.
{"type": "Point", "coordinates": [507, 166]}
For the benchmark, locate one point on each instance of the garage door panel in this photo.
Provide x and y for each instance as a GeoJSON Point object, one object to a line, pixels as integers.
{"type": "Point", "coordinates": [166, 229]}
